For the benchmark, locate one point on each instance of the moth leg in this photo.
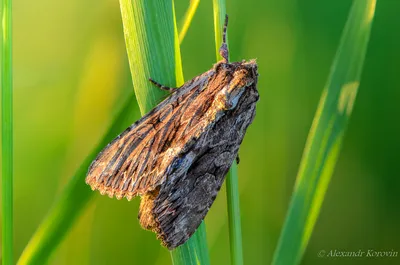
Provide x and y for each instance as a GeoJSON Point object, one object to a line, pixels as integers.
{"type": "Point", "coordinates": [169, 89]}
{"type": "Point", "coordinates": [237, 159]}
{"type": "Point", "coordinates": [223, 51]}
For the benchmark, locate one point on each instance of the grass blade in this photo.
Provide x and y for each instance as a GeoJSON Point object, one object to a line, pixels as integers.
{"type": "Point", "coordinates": [153, 51]}
{"type": "Point", "coordinates": [187, 19]}
{"type": "Point", "coordinates": [194, 251]}
{"type": "Point", "coordinates": [219, 8]}
{"type": "Point", "coordinates": [7, 134]}
{"type": "Point", "coordinates": [190, 253]}
{"type": "Point", "coordinates": [235, 230]}
{"type": "Point", "coordinates": [326, 135]}
{"type": "Point", "coordinates": [232, 183]}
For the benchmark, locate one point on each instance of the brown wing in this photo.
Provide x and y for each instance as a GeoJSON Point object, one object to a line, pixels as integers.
{"type": "Point", "coordinates": [134, 162]}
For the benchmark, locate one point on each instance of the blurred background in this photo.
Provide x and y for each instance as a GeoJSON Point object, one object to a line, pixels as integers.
{"type": "Point", "coordinates": [72, 77]}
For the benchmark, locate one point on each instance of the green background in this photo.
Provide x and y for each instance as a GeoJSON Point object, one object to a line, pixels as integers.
{"type": "Point", "coordinates": [71, 77]}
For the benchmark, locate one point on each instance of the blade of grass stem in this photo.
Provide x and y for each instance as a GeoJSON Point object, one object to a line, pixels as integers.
{"type": "Point", "coordinates": [153, 51]}
{"type": "Point", "coordinates": [326, 135]}
{"type": "Point", "coordinates": [189, 253]}
{"type": "Point", "coordinates": [194, 251]}
{"type": "Point", "coordinates": [235, 230]}
{"type": "Point", "coordinates": [219, 8]}
{"type": "Point", "coordinates": [7, 133]}
{"type": "Point", "coordinates": [187, 19]}
{"type": "Point", "coordinates": [232, 180]}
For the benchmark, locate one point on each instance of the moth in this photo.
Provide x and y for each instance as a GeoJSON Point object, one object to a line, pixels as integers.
{"type": "Point", "coordinates": [177, 155]}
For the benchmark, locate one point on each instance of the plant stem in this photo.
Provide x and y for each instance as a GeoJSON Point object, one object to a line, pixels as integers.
{"type": "Point", "coordinates": [219, 8]}
{"type": "Point", "coordinates": [7, 134]}
{"type": "Point", "coordinates": [153, 52]}
{"type": "Point", "coordinates": [235, 230]}
{"type": "Point", "coordinates": [232, 185]}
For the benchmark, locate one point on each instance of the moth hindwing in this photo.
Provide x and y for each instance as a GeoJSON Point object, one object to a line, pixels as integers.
{"type": "Point", "coordinates": [176, 156]}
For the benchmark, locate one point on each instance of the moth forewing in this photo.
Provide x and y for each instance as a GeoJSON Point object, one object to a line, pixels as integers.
{"type": "Point", "coordinates": [176, 156]}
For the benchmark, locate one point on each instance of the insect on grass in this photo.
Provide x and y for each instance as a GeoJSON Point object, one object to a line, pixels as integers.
{"type": "Point", "coordinates": [177, 155]}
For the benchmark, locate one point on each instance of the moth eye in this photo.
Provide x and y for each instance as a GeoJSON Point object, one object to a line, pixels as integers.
{"type": "Point", "coordinates": [177, 163]}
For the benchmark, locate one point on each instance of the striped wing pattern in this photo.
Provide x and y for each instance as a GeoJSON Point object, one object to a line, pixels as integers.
{"type": "Point", "coordinates": [135, 161]}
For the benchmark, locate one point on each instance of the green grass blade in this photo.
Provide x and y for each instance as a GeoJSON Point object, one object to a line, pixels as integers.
{"type": "Point", "coordinates": [153, 51]}
{"type": "Point", "coordinates": [326, 135]}
{"type": "Point", "coordinates": [72, 201]}
{"type": "Point", "coordinates": [190, 253]}
{"type": "Point", "coordinates": [235, 230]}
{"type": "Point", "coordinates": [7, 133]}
{"type": "Point", "coordinates": [219, 8]}
{"type": "Point", "coordinates": [187, 19]}
{"type": "Point", "coordinates": [232, 180]}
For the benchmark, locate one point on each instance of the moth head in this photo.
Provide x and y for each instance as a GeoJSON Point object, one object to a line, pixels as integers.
{"type": "Point", "coordinates": [244, 77]}
{"type": "Point", "coordinates": [252, 68]}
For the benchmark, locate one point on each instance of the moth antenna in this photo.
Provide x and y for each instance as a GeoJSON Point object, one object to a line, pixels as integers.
{"type": "Point", "coordinates": [225, 29]}
{"type": "Point", "coordinates": [169, 89]}
{"type": "Point", "coordinates": [223, 51]}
